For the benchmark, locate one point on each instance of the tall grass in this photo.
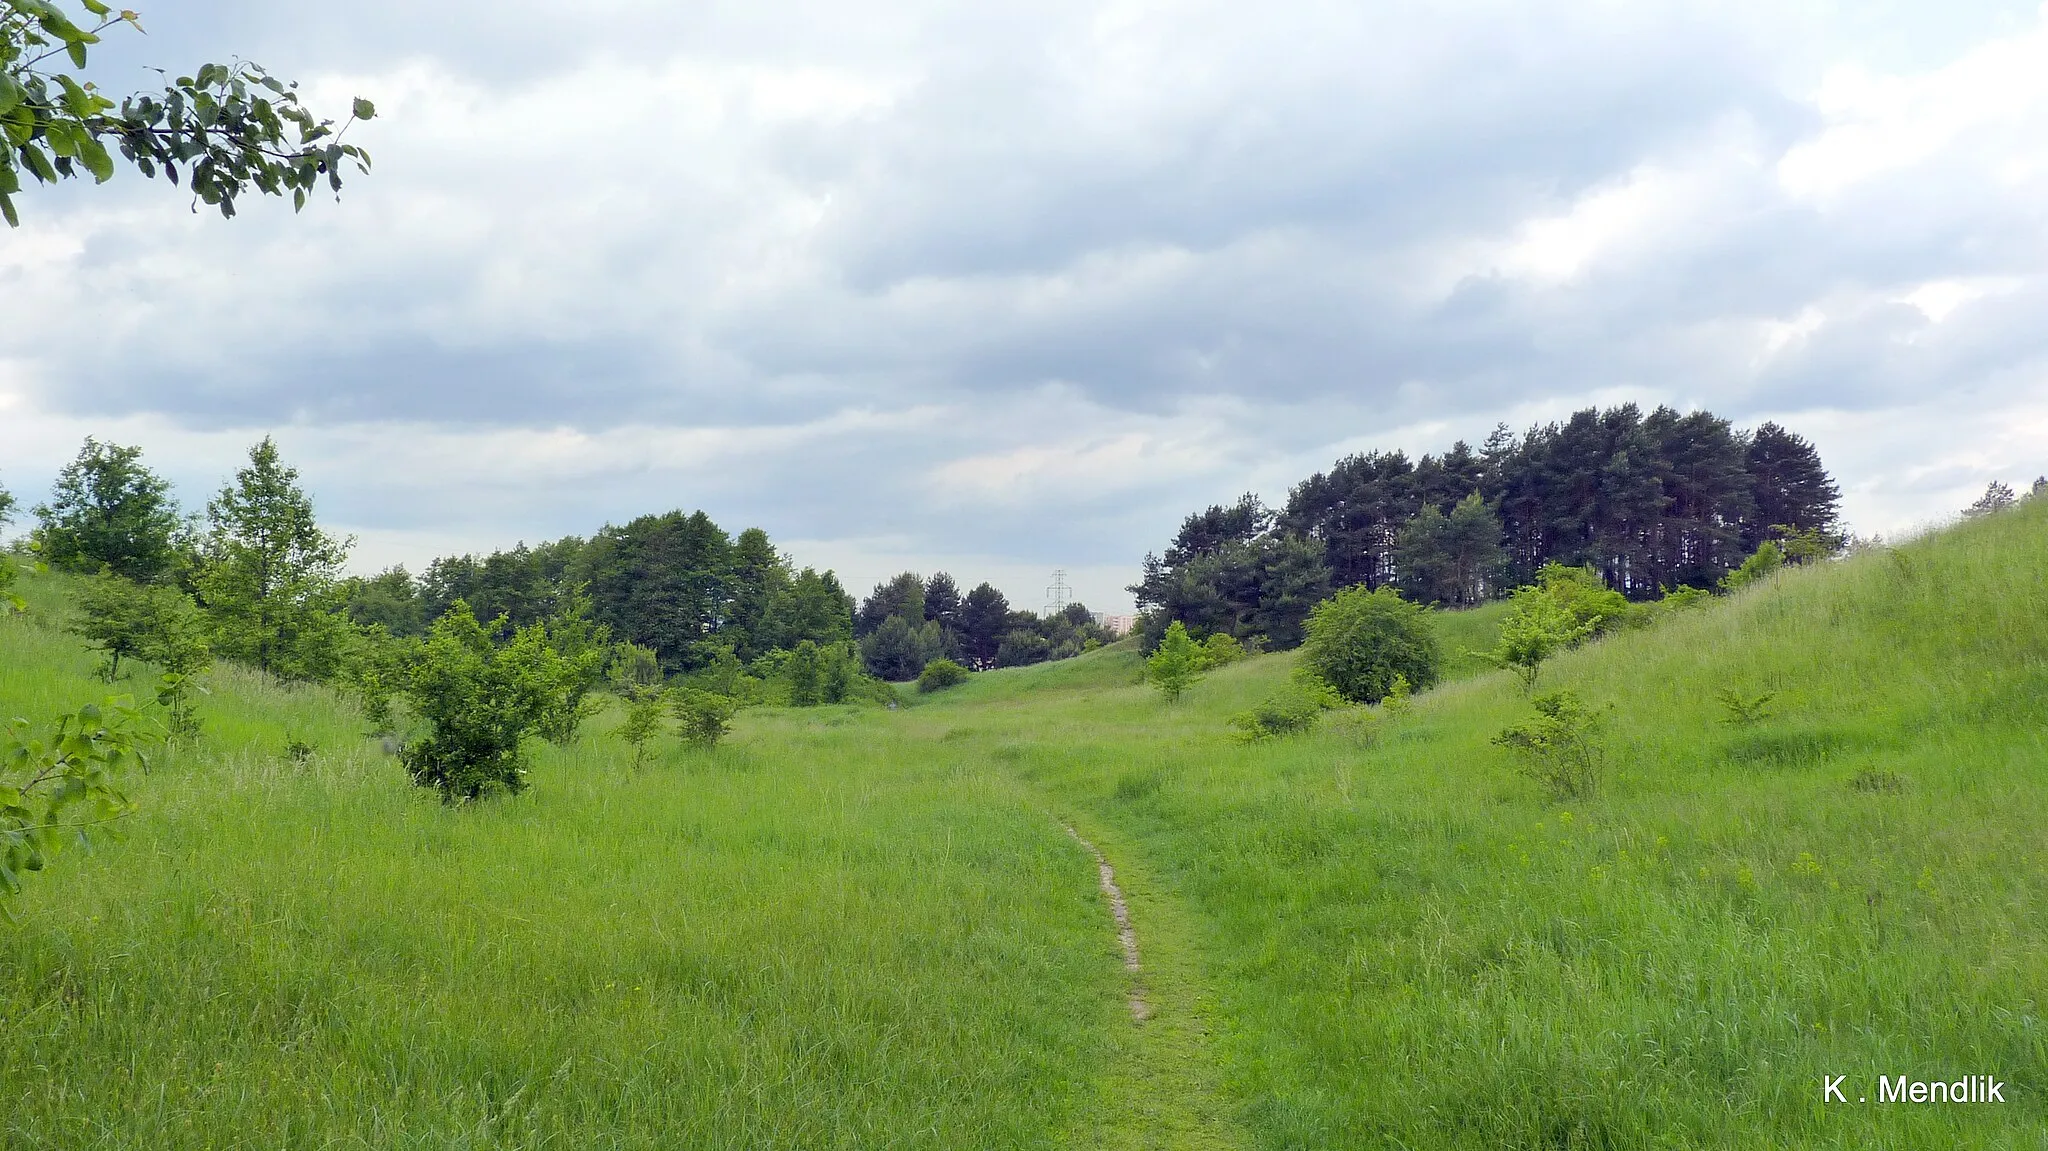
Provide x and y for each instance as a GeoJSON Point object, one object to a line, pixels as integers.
{"type": "Point", "coordinates": [865, 928]}
{"type": "Point", "coordinates": [805, 939]}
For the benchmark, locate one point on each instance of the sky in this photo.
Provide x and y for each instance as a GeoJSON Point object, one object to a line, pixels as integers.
{"type": "Point", "coordinates": [1002, 289]}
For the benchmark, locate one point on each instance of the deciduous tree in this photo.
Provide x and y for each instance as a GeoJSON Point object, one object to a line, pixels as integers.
{"type": "Point", "coordinates": [109, 511]}
{"type": "Point", "coordinates": [268, 574]}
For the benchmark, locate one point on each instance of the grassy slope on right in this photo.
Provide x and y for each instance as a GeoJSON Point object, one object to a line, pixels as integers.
{"type": "Point", "coordinates": [1412, 946]}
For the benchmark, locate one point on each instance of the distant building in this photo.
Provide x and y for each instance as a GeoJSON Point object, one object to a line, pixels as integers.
{"type": "Point", "coordinates": [1115, 624]}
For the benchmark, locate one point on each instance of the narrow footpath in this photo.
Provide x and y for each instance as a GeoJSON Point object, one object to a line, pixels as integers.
{"type": "Point", "coordinates": [1163, 1090]}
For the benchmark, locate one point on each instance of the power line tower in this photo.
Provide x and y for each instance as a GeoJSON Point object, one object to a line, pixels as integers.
{"type": "Point", "coordinates": [1059, 594]}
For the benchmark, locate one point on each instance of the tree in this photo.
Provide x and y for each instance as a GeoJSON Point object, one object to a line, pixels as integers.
{"type": "Point", "coordinates": [899, 598]}
{"type": "Point", "coordinates": [1176, 665]}
{"type": "Point", "coordinates": [108, 511]}
{"type": "Point", "coordinates": [1791, 489]}
{"type": "Point", "coordinates": [803, 669]}
{"type": "Point", "coordinates": [481, 702]}
{"type": "Point", "coordinates": [635, 674]}
{"type": "Point", "coordinates": [390, 599]}
{"type": "Point", "coordinates": [942, 602]}
{"type": "Point", "coordinates": [232, 128]}
{"type": "Point", "coordinates": [1359, 640]}
{"type": "Point", "coordinates": [6, 506]}
{"type": "Point", "coordinates": [984, 617]}
{"type": "Point", "coordinates": [1996, 498]}
{"type": "Point", "coordinates": [898, 650]}
{"type": "Point", "coordinates": [759, 577]}
{"type": "Point", "coordinates": [268, 573]}
{"type": "Point", "coordinates": [124, 619]}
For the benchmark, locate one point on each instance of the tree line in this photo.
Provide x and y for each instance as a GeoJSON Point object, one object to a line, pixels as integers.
{"type": "Point", "coordinates": [1647, 502]}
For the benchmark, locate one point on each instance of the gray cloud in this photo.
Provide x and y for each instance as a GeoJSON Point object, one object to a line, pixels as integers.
{"type": "Point", "coordinates": [1025, 284]}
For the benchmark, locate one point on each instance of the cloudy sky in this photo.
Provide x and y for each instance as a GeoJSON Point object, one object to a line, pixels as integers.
{"type": "Point", "coordinates": [1001, 289]}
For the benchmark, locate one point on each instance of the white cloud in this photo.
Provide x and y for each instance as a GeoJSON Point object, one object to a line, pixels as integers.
{"type": "Point", "coordinates": [813, 265]}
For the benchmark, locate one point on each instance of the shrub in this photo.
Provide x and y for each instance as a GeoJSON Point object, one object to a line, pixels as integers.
{"type": "Point", "coordinates": [1220, 650]}
{"type": "Point", "coordinates": [1536, 627]}
{"type": "Point", "coordinates": [125, 619]}
{"type": "Point", "coordinates": [481, 702]}
{"type": "Point", "coordinates": [1177, 664]}
{"type": "Point", "coordinates": [1559, 747]}
{"type": "Point", "coordinates": [9, 601]}
{"type": "Point", "coordinates": [940, 674]}
{"type": "Point", "coordinates": [1586, 597]}
{"type": "Point", "coordinates": [1769, 558]}
{"type": "Point", "coordinates": [1683, 597]}
{"type": "Point", "coordinates": [703, 717]}
{"type": "Point", "coordinates": [1359, 641]}
{"type": "Point", "coordinates": [1292, 710]}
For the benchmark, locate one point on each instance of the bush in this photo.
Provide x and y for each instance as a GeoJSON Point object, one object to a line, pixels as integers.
{"type": "Point", "coordinates": [940, 674]}
{"type": "Point", "coordinates": [703, 717]}
{"type": "Point", "coordinates": [1681, 598]}
{"type": "Point", "coordinates": [1177, 664]}
{"type": "Point", "coordinates": [482, 701]}
{"type": "Point", "coordinates": [1536, 627]}
{"type": "Point", "coordinates": [9, 601]}
{"type": "Point", "coordinates": [1220, 650]}
{"type": "Point", "coordinates": [1768, 559]}
{"type": "Point", "coordinates": [1359, 640]}
{"type": "Point", "coordinates": [122, 618]}
{"type": "Point", "coordinates": [1559, 747]}
{"type": "Point", "coordinates": [1586, 598]}
{"type": "Point", "coordinates": [1292, 710]}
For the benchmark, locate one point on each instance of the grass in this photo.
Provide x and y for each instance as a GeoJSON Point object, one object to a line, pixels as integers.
{"type": "Point", "coordinates": [866, 928]}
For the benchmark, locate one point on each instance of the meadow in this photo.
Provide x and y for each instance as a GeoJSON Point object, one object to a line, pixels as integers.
{"type": "Point", "coordinates": [870, 928]}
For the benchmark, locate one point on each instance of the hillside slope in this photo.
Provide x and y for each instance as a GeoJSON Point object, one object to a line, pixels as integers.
{"type": "Point", "coordinates": [1410, 945]}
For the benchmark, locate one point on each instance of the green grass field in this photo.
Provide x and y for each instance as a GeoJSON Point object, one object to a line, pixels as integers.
{"type": "Point", "coordinates": [869, 928]}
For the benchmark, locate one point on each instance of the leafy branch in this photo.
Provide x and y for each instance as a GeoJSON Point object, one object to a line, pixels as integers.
{"type": "Point", "coordinates": [225, 129]}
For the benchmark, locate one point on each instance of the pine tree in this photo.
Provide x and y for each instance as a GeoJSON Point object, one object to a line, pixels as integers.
{"type": "Point", "coordinates": [1790, 486]}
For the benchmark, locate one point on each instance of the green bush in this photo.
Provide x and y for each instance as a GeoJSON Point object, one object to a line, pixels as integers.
{"type": "Point", "coordinates": [1536, 627]}
{"type": "Point", "coordinates": [703, 717]}
{"type": "Point", "coordinates": [940, 674]}
{"type": "Point", "coordinates": [1292, 710]}
{"type": "Point", "coordinates": [1768, 559]}
{"type": "Point", "coordinates": [482, 701]}
{"type": "Point", "coordinates": [1359, 641]}
{"type": "Point", "coordinates": [1220, 650]}
{"type": "Point", "coordinates": [1586, 598]}
{"type": "Point", "coordinates": [1559, 747]}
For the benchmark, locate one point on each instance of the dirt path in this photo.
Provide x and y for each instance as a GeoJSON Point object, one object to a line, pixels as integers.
{"type": "Point", "coordinates": [1162, 1090]}
{"type": "Point", "coordinates": [1125, 935]}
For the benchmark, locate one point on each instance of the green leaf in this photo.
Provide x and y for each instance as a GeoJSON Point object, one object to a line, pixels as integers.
{"type": "Point", "coordinates": [96, 160]}
{"type": "Point", "coordinates": [97, 8]}
{"type": "Point", "coordinates": [76, 50]}
{"type": "Point", "coordinates": [38, 164]}
{"type": "Point", "coordinates": [11, 92]}
{"type": "Point", "coordinates": [365, 110]}
{"type": "Point", "coordinates": [13, 221]}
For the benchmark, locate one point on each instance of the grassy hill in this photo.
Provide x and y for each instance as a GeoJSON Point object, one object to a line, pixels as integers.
{"type": "Point", "coordinates": [870, 928]}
